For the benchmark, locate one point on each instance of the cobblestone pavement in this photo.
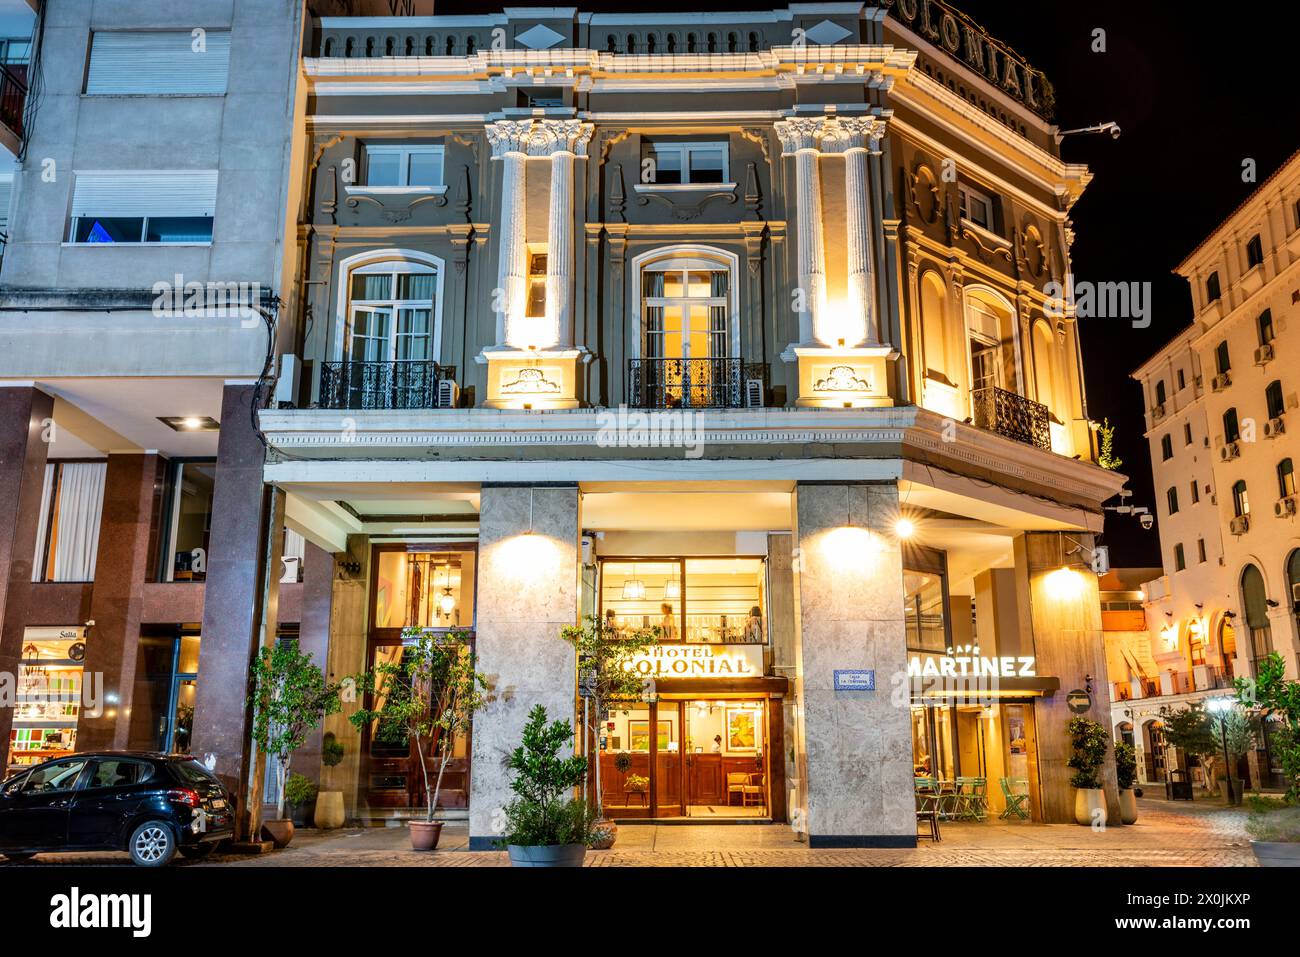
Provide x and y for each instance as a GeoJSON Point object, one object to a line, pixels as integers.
{"type": "Point", "coordinates": [1168, 834]}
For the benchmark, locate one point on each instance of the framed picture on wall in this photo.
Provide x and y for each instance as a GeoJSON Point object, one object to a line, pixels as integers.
{"type": "Point", "coordinates": [742, 730]}
{"type": "Point", "coordinates": [638, 735]}
{"type": "Point", "coordinates": [1016, 732]}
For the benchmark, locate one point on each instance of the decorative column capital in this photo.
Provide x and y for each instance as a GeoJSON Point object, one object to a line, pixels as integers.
{"type": "Point", "coordinates": [799, 133]}
{"type": "Point", "coordinates": [508, 136]}
{"type": "Point", "coordinates": [832, 133]}
{"type": "Point", "coordinates": [534, 137]}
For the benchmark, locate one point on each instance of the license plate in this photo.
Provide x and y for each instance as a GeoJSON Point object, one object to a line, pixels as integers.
{"type": "Point", "coordinates": [219, 803]}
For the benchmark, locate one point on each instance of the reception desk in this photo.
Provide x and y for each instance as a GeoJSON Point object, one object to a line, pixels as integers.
{"type": "Point", "coordinates": [703, 776]}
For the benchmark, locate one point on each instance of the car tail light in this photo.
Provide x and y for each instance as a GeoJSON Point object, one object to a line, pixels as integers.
{"type": "Point", "coordinates": [186, 796]}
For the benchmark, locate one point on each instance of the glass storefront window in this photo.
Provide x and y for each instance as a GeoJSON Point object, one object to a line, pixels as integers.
{"type": "Point", "coordinates": [924, 612]}
{"type": "Point", "coordinates": [191, 521]}
{"type": "Point", "coordinates": [166, 684]}
{"type": "Point", "coordinates": [697, 600]}
{"type": "Point", "coordinates": [48, 700]}
{"type": "Point", "coordinates": [433, 589]}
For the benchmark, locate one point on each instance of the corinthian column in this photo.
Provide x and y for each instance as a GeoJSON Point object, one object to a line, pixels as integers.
{"type": "Point", "coordinates": [509, 140]}
{"type": "Point", "coordinates": [567, 139]}
{"type": "Point", "coordinates": [799, 137]}
{"type": "Point", "coordinates": [861, 138]}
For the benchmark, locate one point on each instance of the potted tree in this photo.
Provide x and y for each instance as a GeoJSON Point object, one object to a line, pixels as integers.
{"type": "Point", "coordinates": [300, 794]}
{"type": "Point", "coordinates": [1189, 731]}
{"type": "Point", "coordinates": [545, 825]}
{"type": "Point", "coordinates": [290, 698]}
{"type": "Point", "coordinates": [1088, 741]}
{"type": "Point", "coordinates": [329, 804]}
{"type": "Point", "coordinates": [430, 697]}
{"type": "Point", "coordinates": [1125, 775]}
{"type": "Point", "coordinates": [1234, 730]}
{"type": "Point", "coordinates": [604, 656]}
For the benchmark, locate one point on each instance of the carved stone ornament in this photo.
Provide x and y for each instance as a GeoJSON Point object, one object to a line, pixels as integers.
{"type": "Point", "coordinates": [534, 137]}
{"type": "Point", "coordinates": [830, 134]}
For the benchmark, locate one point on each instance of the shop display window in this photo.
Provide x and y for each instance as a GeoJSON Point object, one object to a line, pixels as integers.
{"type": "Point", "coordinates": [49, 696]}
{"type": "Point", "coordinates": [431, 589]}
{"type": "Point", "coordinates": [696, 600]}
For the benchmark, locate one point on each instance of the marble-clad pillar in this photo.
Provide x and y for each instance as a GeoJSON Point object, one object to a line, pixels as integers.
{"type": "Point", "coordinates": [528, 570]}
{"type": "Point", "coordinates": [858, 744]}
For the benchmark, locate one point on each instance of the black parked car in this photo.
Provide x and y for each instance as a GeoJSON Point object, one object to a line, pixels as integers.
{"type": "Point", "coordinates": [150, 805]}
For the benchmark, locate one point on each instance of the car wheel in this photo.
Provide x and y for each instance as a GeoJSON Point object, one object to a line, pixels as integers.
{"type": "Point", "coordinates": [19, 858]}
{"type": "Point", "coordinates": [152, 844]}
{"type": "Point", "coordinates": [197, 852]}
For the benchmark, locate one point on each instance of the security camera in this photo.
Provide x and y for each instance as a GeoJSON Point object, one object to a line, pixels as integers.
{"type": "Point", "coordinates": [1112, 128]}
{"type": "Point", "coordinates": [1147, 521]}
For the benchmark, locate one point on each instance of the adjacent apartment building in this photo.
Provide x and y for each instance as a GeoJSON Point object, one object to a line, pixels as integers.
{"type": "Point", "coordinates": [1219, 398]}
{"type": "Point", "coordinates": [731, 324]}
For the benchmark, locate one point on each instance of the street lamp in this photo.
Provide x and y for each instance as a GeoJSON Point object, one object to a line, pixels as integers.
{"type": "Point", "coordinates": [1221, 706]}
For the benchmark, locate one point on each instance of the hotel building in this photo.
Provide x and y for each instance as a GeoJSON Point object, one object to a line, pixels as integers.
{"type": "Point", "coordinates": [731, 324]}
{"type": "Point", "coordinates": [1218, 402]}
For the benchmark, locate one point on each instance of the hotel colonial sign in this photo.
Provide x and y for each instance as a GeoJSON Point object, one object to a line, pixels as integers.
{"type": "Point", "coordinates": [699, 661]}
{"type": "Point", "coordinates": [965, 40]}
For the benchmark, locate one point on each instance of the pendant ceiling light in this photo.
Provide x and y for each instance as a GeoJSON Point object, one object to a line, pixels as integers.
{"type": "Point", "coordinates": [673, 589]}
{"type": "Point", "coordinates": [634, 589]}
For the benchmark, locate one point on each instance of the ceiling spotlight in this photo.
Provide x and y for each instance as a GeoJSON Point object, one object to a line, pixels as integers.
{"type": "Point", "coordinates": [190, 423]}
{"type": "Point", "coordinates": [905, 528]}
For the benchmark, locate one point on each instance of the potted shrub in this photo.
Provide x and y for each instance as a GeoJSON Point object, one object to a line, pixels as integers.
{"type": "Point", "coordinates": [430, 697]}
{"type": "Point", "coordinates": [329, 804]}
{"type": "Point", "coordinates": [1271, 697]}
{"type": "Point", "coordinates": [300, 794]}
{"type": "Point", "coordinates": [546, 826]}
{"type": "Point", "coordinates": [290, 698]}
{"type": "Point", "coordinates": [1275, 835]}
{"type": "Point", "coordinates": [1088, 741]}
{"type": "Point", "coordinates": [604, 653]}
{"type": "Point", "coordinates": [1125, 774]}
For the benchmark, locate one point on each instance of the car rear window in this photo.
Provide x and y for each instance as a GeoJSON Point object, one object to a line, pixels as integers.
{"type": "Point", "coordinates": [194, 773]}
{"type": "Point", "coordinates": [118, 773]}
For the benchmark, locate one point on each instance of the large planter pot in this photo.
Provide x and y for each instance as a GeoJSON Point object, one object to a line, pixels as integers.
{"type": "Point", "coordinates": [1128, 806]}
{"type": "Point", "coordinates": [1276, 853]}
{"type": "Point", "coordinates": [301, 815]}
{"type": "Point", "coordinates": [280, 831]}
{"type": "Point", "coordinates": [607, 832]}
{"type": "Point", "coordinates": [329, 809]}
{"type": "Point", "coordinates": [425, 834]}
{"type": "Point", "coordinates": [1087, 802]}
{"type": "Point", "coordinates": [553, 855]}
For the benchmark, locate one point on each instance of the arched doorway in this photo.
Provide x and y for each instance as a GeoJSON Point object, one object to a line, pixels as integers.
{"type": "Point", "coordinates": [1227, 641]}
{"type": "Point", "coordinates": [1254, 602]}
{"type": "Point", "coordinates": [1153, 739]}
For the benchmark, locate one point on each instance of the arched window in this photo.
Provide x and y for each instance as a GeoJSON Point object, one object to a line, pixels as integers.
{"type": "Point", "coordinates": [934, 326]}
{"type": "Point", "coordinates": [1240, 502]}
{"type": "Point", "coordinates": [1160, 392]}
{"type": "Point", "coordinates": [991, 335]}
{"type": "Point", "coordinates": [1254, 601]}
{"type": "Point", "coordinates": [1044, 374]}
{"type": "Point", "coordinates": [1231, 431]}
{"type": "Point", "coordinates": [390, 310]}
{"type": "Point", "coordinates": [1285, 478]}
{"type": "Point", "coordinates": [1273, 397]}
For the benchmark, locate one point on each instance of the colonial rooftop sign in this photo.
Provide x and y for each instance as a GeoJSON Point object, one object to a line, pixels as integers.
{"type": "Point", "coordinates": [963, 39]}
{"type": "Point", "coordinates": [699, 661]}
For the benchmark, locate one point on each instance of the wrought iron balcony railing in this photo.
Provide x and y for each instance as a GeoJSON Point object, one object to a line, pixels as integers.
{"type": "Point", "coordinates": [1013, 416]}
{"type": "Point", "coordinates": [411, 384]}
{"type": "Point", "coordinates": [724, 383]}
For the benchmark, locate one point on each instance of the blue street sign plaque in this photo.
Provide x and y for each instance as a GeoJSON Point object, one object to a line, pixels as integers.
{"type": "Point", "coordinates": [855, 680]}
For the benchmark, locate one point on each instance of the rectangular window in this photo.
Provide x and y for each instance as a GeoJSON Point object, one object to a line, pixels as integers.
{"type": "Point", "coordinates": [190, 524]}
{"type": "Point", "coordinates": [535, 307]}
{"type": "Point", "coordinates": [1172, 497]}
{"type": "Point", "coordinates": [1182, 380]}
{"type": "Point", "coordinates": [432, 588]}
{"type": "Point", "coordinates": [155, 206]}
{"type": "Point", "coordinates": [1166, 447]}
{"type": "Point", "coordinates": [15, 51]}
{"type": "Point", "coordinates": [696, 600]}
{"type": "Point", "coordinates": [684, 163]}
{"type": "Point", "coordinates": [158, 63]}
{"type": "Point", "coordinates": [1180, 559]}
{"type": "Point", "coordinates": [1212, 290]}
{"type": "Point", "coordinates": [1200, 550]}
{"type": "Point", "coordinates": [404, 167]}
{"type": "Point", "coordinates": [67, 531]}
{"type": "Point", "coordinates": [1254, 252]}
{"type": "Point", "coordinates": [1196, 492]}
{"type": "Point", "coordinates": [1265, 325]}
{"type": "Point", "coordinates": [1187, 433]}
{"type": "Point", "coordinates": [976, 207]}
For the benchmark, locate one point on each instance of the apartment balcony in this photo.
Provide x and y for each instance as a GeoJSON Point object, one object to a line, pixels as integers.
{"type": "Point", "coordinates": [13, 103]}
{"type": "Point", "coordinates": [724, 383]}
{"type": "Point", "coordinates": [1012, 416]}
{"type": "Point", "coordinates": [387, 385]}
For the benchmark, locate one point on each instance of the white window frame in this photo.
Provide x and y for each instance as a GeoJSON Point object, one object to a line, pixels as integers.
{"type": "Point", "coordinates": [685, 148]}
{"type": "Point", "coordinates": [395, 261]}
{"type": "Point", "coordinates": [164, 183]}
{"type": "Point", "coordinates": [685, 256]}
{"type": "Point", "coordinates": [968, 195]}
{"type": "Point", "coordinates": [404, 154]}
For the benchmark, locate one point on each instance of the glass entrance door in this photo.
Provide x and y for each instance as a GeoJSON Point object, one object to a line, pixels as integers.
{"type": "Point", "coordinates": [726, 773]}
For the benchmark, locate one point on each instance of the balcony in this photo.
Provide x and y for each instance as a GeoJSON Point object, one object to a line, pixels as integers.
{"type": "Point", "coordinates": [13, 101]}
{"type": "Point", "coordinates": [725, 383]}
{"type": "Point", "coordinates": [387, 385]}
{"type": "Point", "coordinates": [1012, 416]}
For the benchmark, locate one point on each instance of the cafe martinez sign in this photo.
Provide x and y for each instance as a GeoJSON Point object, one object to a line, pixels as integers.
{"type": "Point", "coordinates": [965, 40]}
{"type": "Point", "coordinates": [698, 661]}
{"type": "Point", "coordinates": [972, 666]}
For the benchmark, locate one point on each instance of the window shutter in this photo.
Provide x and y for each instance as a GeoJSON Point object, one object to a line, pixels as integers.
{"type": "Point", "coordinates": [157, 63]}
{"type": "Point", "coordinates": [145, 193]}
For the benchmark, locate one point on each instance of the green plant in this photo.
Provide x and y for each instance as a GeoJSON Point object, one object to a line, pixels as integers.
{"type": "Point", "coordinates": [1281, 825]}
{"type": "Point", "coordinates": [1273, 698]}
{"type": "Point", "coordinates": [331, 752]}
{"type": "Point", "coordinates": [605, 657]}
{"type": "Point", "coordinates": [544, 811]}
{"type": "Point", "coordinates": [429, 698]}
{"type": "Point", "coordinates": [636, 782]}
{"type": "Point", "coordinates": [1126, 765]}
{"type": "Point", "coordinates": [290, 697]}
{"type": "Point", "coordinates": [1106, 456]}
{"type": "Point", "coordinates": [1190, 729]}
{"type": "Point", "coordinates": [1088, 741]}
{"type": "Point", "coordinates": [1261, 802]}
{"type": "Point", "coordinates": [300, 790]}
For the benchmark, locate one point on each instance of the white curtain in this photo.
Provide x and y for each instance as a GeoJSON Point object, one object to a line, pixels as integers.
{"type": "Point", "coordinates": [43, 525]}
{"type": "Point", "coordinates": [81, 501]}
{"type": "Point", "coordinates": [295, 546]}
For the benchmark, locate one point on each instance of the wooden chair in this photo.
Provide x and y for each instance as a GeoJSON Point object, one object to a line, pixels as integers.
{"type": "Point", "coordinates": [927, 805]}
{"type": "Point", "coordinates": [736, 782]}
{"type": "Point", "coordinates": [752, 789]}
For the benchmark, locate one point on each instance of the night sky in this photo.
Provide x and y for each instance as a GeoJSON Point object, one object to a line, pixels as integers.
{"type": "Point", "coordinates": [1195, 95]}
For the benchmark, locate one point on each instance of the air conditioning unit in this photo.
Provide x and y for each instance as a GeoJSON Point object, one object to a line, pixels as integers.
{"type": "Point", "coordinates": [1229, 451]}
{"type": "Point", "coordinates": [1274, 427]}
{"type": "Point", "coordinates": [448, 396]}
{"type": "Point", "coordinates": [1221, 382]}
{"type": "Point", "coordinates": [1199, 382]}
{"type": "Point", "coordinates": [1284, 507]}
{"type": "Point", "coordinates": [1264, 354]}
{"type": "Point", "coordinates": [1157, 412]}
{"type": "Point", "coordinates": [753, 393]}
{"type": "Point", "coordinates": [1239, 525]}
